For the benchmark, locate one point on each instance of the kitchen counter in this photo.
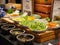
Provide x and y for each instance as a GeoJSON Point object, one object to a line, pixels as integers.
{"type": "Point", "coordinates": [49, 36]}
{"type": "Point", "coordinates": [8, 41]}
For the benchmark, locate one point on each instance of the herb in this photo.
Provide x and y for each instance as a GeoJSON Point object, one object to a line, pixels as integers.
{"type": "Point", "coordinates": [9, 11]}
{"type": "Point", "coordinates": [20, 13]}
{"type": "Point", "coordinates": [48, 19]}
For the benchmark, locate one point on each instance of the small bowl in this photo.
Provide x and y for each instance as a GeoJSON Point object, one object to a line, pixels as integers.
{"type": "Point", "coordinates": [16, 31]}
{"type": "Point", "coordinates": [7, 27]}
{"type": "Point", "coordinates": [1, 24]}
{"type": "Point", "coordinates": [25, 39]}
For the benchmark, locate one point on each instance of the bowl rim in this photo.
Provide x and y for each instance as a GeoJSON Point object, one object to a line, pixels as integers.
{"type": "Point", "coordinates": [15, 30]}
{"type": "Point", "coordinates": [7, 26]}
{"type": "Point", "coordinates": [27, 40]}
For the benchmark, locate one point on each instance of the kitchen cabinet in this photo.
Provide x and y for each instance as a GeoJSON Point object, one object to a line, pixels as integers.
{"type": "Point", "coordinates": [44, 7]}
{"type": "Point", "coordinates": [43, 1]}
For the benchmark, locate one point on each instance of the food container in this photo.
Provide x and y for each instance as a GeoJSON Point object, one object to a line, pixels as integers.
{"type": "Point", "coordinates": [53, 25]}
{"type": "Point", "coordinates": [25, 39]}
{"type": "Point", "coordinates": [43, 1]}
{"type": "Point", "coordinates": [43, 8]}
{"type": "Point", "coordinates": [17, 31]}
{"type": "Point", "coordinates": [6, 28]}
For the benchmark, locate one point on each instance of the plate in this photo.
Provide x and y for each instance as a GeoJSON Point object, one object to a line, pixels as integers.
{"type": "Point", "coordinates": [57, 26]}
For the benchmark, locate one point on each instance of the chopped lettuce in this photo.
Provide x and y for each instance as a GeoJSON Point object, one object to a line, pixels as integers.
{"type": "Point", "coordinates": [33, 25]}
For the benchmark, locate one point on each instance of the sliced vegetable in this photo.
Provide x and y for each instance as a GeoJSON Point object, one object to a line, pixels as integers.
{"type": "Point", "coordinates": [31, 23]}
{"type": "Point", "coordinates": [34, 25]}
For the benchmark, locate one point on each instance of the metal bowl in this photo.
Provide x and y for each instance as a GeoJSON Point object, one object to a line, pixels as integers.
{"type": "Point", "coordinates": [25, 37]}
{"type": "Point", "coordinates": [7, 27]}
{"type": "Point", "coordinates": [16, 31]}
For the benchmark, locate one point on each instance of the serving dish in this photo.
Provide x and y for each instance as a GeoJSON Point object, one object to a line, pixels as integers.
{"type": "Point", "coordinates": [6, 28]}
{"type": "Point", "coordinates": [16, 31]}
{"type": "Point", "coordinates": [40, 31]}
{"type": "Point", "coordinates": [38, 25]}
{"type": "Point", "coordinates": [54, 25]}
{"type": "Point", "coordinates": [25, 39]}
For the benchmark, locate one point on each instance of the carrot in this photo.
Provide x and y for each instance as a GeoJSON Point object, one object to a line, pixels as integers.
{"type": "Point", "coordinates": [52, 24]}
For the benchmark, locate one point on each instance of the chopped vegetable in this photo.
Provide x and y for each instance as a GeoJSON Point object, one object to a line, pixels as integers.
{"type": "Point", "coordinates": [30, 17]}
{"type": "Point", "coordinates": [48, 19]}
{"type": "Point", "coordinates": [52, 24]}
{"type": "Point", "coordinates": [20, 13]}
{"type": "Point", "coordinates": [34, 25]}
{"type": "Point", "coordinates": [31, 23]}
{"type": "Point", "coordinates": [9, 11]}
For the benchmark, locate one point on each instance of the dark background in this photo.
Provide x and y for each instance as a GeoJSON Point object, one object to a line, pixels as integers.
{"type": "Point", "coordinates": [17, 1]}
